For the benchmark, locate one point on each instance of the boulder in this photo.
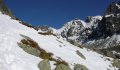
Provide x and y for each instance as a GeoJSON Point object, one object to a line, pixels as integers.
{"type": "Point", "coordinates": [44, 65]}
{"type": "Point", "coordinates": [80, 67]}
{"type": "Point", "coordinates": [29, 49]}
{"type": "Point", "coordinates": [80, 54]}
{"type": "Point", "coordinates": [62, 67]}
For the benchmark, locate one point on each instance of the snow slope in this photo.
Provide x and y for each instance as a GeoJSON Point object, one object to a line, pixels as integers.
{"type": "Point", "coordinates": [12, 57]}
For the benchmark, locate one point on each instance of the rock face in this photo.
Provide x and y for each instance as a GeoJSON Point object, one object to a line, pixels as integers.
{"type": "Point", "coordinates": [62, 67]}
{"type": "Point", "coordinates": [71, 29]}
{"type": "Point", "coordinates": [97, 28]}
{"type": "Point", "coordinates": [116, 63]}
{"type": "Point", "coordinates": [80, 67]}
{"type": "Point", "coordinates": [44, 65]}
{"type": "Point", "coordinates": [29, 49]}
{"type": "Point", "coordinates": [101, 33]}
{"type": "Point", "coordinates": [77, 31]}
{"type": "Point", "coordinates": [106, 35]}
{"type": "Point", "coordinates": [113, 8]}
{"type": "Point", "coordinates": [110, 23]}
{"type": "Point", "coordinates": [44, 29]}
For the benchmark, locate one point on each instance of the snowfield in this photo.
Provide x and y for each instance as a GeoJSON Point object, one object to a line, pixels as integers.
{"type": "Point", "coordinates": [12, 57]}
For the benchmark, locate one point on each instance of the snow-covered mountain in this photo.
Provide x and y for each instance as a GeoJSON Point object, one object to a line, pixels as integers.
{"type": "Point", "coordinates": [98, 32]}
{"type": "Point", "coordinates": [94, 27]}
{"type": "Point", "coordinates": [77, 31]}
{"type": "Point", "coordinates": [107, 34]}
{"type": "Point", "coordinates": [23, 47]}
{"type": "Point", "coordinates": [13, 57]}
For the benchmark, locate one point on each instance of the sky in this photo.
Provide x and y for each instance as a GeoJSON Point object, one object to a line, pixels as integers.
{"type": "Point", "coordinates": [56, 13]}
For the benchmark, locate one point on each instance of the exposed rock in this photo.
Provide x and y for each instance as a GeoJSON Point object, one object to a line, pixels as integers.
{"type": "Point", "coordinates": [80, 54]}
{"type": "Point", "coordinates": [29, 46]}
{"type": "Point", "coordinates": [110, 52]}
{"type": "Point", "coordinates": [44, 29]}
{"type": "Point", "coordinates": [44, 65]}
{"type": "Point", "coordinates": [29, 49]}
{"type": "Point", "coordinates": [94, 19]}
{"type": "Point", "coordinates": [71, 29]}
{"type": "Point", "coordinates": [77, 31]}
{"type": "Point", "coordinates": [110, 23]}
{"type": "Point", "coordinates": [80, 67]}
{"type": "Point", "coordinates": [47, 33]}
{"type": "Point", "coordinates": [73, 42]}
{"type": "Point", "coordinates": [4, 9]}
{"type": "Point", "coordinates": [114, 52]}
{"type": "Point", "coordinates": [32, 47]}
{"type": "Point", "coordinates": [116, 63]}
{"type": "Point", "coordinates": [25, 23]}
{"type": "Point", "coordinates": [113, 8]}
{"type": "Point", "coordinates": [106, 53]}
{"type": "Point", "coordinates": [62, 67]}
{"type": "Point", "coordinates": [105, 36]}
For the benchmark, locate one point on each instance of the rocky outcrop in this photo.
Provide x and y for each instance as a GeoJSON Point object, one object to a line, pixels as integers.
{"type": "Point", "coordinates": [4, 9]}
{"type": "Point", "coordinates": [80, 54]}
{"type": "Point", "coordinates": [71, 29]}
{"type": "Point", "coordinates": [97, 32]}
{"type": "Point", "coordinates": [116, 63]}
{"type": "Point", "coordinates": [62, 67]}
{"type": "Point", "coordinates": [77, 31]}
{"type": "Point", "coordinates": [113, 8]}
{"type": "Point", "coordinates": [80, 67]}
{"type": "Point", "coordinates": [105, 34]}
{"type": "Point", "coordinates": [29, 49]}
{"type": "Point", "coordinates": [44, 29]}
{"type": "Point", "coordinates": [32, 47]}
{"type": "Point", "coordinates": [44, 65]}
{"type": "Point", "coordinates": [110, 23]}
{"type": "Point", "coordinates": [113, 52]}
{"type": "Point", "coordinates": [29, 46]}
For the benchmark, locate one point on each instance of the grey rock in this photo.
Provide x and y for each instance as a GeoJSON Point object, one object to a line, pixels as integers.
{"type": "Point", "coordinates": [80, 67]}
{"type": "Point", "coordinates": [62, 67]}
{"type": "Point", "coordinates": [29, 49]}
{"type": "Point", "coordinates": [116, 63]}
{"type": "Point", "coordinates": [80, 54]}
{"type": "Point", "coordinates": [44, 65]}
{"type": "Point", "coordinates": [44, 28]}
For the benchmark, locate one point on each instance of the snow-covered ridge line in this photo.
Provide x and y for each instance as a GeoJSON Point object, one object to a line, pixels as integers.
{"type": "Point", "coordinates": [84, 23]}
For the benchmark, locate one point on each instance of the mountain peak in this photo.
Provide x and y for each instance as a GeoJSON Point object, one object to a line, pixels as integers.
{"type": "Point", "coordinates": [113, 8]}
